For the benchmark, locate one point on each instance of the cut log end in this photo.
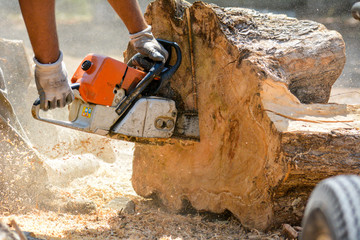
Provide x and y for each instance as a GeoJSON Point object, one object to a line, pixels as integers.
{"type": "Point", "coordinates": [247, 74]}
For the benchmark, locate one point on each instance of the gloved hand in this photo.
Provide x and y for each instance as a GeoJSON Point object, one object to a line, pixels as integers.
{"type": "Point", "coordinates": [52, 84]}
{"type": "Point", "coordinates": [145, 43]}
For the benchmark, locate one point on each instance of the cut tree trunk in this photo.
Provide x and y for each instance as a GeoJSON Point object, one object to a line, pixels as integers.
{"type": "Point", "coordinates": [260, 84]}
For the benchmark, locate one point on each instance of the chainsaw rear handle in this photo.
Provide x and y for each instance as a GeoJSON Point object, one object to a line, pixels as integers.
{"type": "Point", "coordinates": [35, 113]}
{"type": "Point", "coordinates": [73, 87]}
{"type": "Point", "coordinates": [36, 109]}
{"type": "Point", "coordinates": [74, 125]}
{"type": "Point", "coordinates": [355, 11]}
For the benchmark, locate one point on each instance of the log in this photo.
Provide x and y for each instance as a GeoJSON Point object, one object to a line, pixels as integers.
{"type": "Point", "coordinates": [260, 84]}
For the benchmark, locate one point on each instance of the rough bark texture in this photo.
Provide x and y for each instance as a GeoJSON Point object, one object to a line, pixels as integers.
{"type": "Point", "coordinates": [22, 175]}
{"type": "Point", "coordinates": [248, 74]}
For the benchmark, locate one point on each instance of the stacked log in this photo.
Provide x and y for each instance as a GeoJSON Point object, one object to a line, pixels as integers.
{"type": "Point", "coordinates": [260, 84]}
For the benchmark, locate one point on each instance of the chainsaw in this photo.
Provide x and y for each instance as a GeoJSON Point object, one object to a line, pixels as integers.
{"type": "Point", "coordinates": [118, 101]}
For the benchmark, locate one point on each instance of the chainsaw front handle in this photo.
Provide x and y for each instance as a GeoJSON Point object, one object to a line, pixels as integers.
{"type": "Point", "coordinates": [169, 69]}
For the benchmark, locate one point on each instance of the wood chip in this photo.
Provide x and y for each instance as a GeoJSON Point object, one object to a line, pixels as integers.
{"type": "Point", "coordinates": [289, 231]}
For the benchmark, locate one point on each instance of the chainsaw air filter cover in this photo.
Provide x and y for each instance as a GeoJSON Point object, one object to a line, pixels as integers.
{"type": "Point", "coordinates": [101, 77]}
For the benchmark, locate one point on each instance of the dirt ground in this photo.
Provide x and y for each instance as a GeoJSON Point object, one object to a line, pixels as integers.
{"type": "Point", "coordinates": [149, 222]}
{"type": "Point", "coordinates": [109, 178]}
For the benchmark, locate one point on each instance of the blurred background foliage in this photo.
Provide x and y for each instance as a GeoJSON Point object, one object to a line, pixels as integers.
{"type": "Point", "coordinates": [86, 8]}
{"type": "Point", "coordinates": [322, 7]}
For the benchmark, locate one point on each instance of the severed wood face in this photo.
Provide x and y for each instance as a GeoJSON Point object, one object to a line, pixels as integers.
{"type": "Point", "coordinates": [290, 115]}
{"type": "Point", "coordinates": [249, 76]}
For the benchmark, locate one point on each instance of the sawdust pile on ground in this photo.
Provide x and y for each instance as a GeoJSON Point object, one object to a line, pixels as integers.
{"type": "Point", "coordinates": [151, 222]}
{"type": "Point", "coordinates": [148, 222]}
{"type": "Point", "coordinates": [111, 180]}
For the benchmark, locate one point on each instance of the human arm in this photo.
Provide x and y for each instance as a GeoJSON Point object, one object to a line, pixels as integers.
{"type": "Point", "coordinates": [39, 18]}
{"type": "Point", "coordinates": [50, 72]}
{"type": "Point", "coordinates": [140, 33]}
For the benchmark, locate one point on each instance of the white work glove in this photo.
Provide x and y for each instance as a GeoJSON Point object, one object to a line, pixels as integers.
{"type": "Point", "coordinates": [145, 43]}
{"type": "Point", "coordinates": [52, 84]}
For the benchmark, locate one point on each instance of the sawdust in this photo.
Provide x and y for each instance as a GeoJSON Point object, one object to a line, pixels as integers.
{"type": "Point", "coordinates": [149, 222]}
{"type": "Point", "coordinates": [110, 181]}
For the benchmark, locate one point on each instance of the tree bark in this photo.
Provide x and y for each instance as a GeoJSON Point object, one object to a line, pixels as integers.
{"type": "Point", "coordinates": [249, 75]}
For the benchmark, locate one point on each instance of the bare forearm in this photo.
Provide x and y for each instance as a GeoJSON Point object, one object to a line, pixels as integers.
{"type": "Point", "coordinates": [39, 18]}
{"type": "Point", "coordinates": [130, 13]}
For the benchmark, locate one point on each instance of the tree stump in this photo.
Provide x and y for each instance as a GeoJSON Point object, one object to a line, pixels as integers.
{"type": "Point", "coordinates": [260, 84]}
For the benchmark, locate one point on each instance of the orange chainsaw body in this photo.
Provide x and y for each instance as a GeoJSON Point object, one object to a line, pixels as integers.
{"type": "Point", "coordinates": [99, 76]}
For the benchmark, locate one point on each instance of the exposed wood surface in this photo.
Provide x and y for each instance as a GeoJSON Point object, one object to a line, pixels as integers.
{"type": "Point", "coordinates": [289, 231]}
{"type": "Point", "coordinates": [248, 75]}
